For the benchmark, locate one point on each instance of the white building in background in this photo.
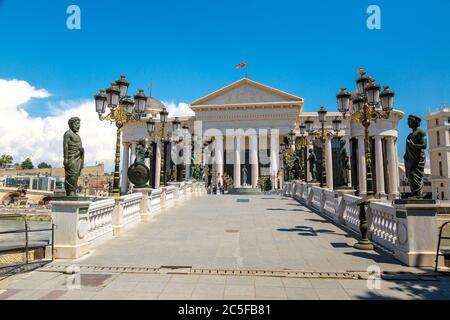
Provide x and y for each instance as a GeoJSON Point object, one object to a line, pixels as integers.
{"type": "Point", "coordinates": [438, 124]}
{"type": "Point", "coordinates": [247, 104]}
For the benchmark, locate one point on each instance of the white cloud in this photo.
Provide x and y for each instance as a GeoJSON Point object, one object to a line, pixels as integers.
{"type": "Point", "coordinates": [40, 138]}
{"type": "Point", "coordinates": [178, 110]}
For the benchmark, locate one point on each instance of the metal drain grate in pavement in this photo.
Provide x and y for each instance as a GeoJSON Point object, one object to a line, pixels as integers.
{"type": "Point", "coordinates": [100, 269]}
{"type": "Point", "coordinates": [282, 273]}
{"type": "Point", "coordinates": [360, 275]}
{"type": "Point", "coordinates": [190, 270]}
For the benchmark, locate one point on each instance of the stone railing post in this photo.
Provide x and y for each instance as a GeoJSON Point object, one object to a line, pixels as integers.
{"type": "Point", "coordinates": [416, 232]}
{"type": "Point", "coordinates": [72, 227]}
{"type": "Point", "coordinates": [322, 200]}
{"type": "Point", "coordinates": [310, 196]}
{"type": "Point", "coordinates": [117, 217]}
{"type": "Point", "coordinates": [144, 207]}
{"type": "Point", "coordinates": [342, 204]}
{"type": "Point", "coordinates": [163, 198]}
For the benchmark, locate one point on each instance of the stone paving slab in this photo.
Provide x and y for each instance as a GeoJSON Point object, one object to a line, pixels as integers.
{"type": "Point", "coordinates": [267, 233]}
{"type": "Point", "coordinates": [203, 287]}
{"type": "Point", "coordinates": [216, 231]}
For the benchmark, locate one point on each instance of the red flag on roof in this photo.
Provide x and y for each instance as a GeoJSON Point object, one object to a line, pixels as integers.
{"type": "Point", "coordinates": [241, 65]}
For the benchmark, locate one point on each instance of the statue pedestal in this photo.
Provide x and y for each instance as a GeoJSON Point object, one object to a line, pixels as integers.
{"type": "Point", "coordinates": [416, 231]}
{"type": "Point", "coordinates": [146, 205]}
{"type": "Point", "coordinates": [345, 190]}
{"type": "Point", "coordinates": [248, 190]}
{"type": "Point", "coordinates": [71, 220]}
{"type": "Point", "coordinates": [314, 184]}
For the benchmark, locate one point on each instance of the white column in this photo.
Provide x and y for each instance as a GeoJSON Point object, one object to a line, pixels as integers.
{"type": "Point", "coordinates": [254, 160]}
{"type": "Point", "coordinates": [308, 167]}
{"type": "Point", "coordinates": [348, 150]}
{"type": "Point", "coordinates": [397, 175]}
{"type": "Point", "coordinates": [157, 164]}
{"type": "Point", "coordinates": [133, 152]}
{"type": "Point", "coordinates": [147, 160]}
{"type": "Point", "coordinates": [125, 165]}
{"type": "Point", "coordinates": [392, 167]}
{"type": "Point", "coordinates": [381, 192]}
{"type": "Point", "coordinates": [237, 162]}
{"type": "Point", "coordinates": [362, 168]}
{"type": "Point", "coordinates": [274, 159]}
{"type": "Point", "coordinates": [329, 163]}
{"type": "Point", "coordinates": [219, 159]}
{"type": "Point", "coordinates": [187, 159]}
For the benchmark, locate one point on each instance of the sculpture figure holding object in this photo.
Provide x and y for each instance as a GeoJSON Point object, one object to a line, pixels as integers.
{"type": "Point", "coordinates": [416, 144]}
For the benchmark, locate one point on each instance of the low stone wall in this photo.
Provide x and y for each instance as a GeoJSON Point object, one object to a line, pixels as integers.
{"type": "Point", "coordinates": [407, 231]}
{"type": "Point", "coordinates": [80, 225]}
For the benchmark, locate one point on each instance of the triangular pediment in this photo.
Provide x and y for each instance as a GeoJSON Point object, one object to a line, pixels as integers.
{"type": "Point", "coordinates": [246, 91]}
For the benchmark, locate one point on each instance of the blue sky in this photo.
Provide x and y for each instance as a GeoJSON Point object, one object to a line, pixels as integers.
{"type": "Point", "coordinates": [190, 48]}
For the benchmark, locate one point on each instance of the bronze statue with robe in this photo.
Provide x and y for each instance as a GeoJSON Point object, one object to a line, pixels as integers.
{"type": "Point", "coordinates": [416, 144]}
{"type": "Point", "coordinates": [343, 165]}
{"type": "Point", "coordinates": [244, 176]}
{"type": "Point", "coordinates": [312, 165]}
{"type": "Point", "coordinates": [73, 156]}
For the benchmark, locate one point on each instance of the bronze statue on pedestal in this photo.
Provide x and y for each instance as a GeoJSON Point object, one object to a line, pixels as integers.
{"type": "Point", "coordinates": [73, 156]}
{"type": "Point", "coordinates": [416, 144]}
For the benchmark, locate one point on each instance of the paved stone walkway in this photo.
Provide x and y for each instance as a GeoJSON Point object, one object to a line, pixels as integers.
{"type": "Point", "coordinates": [268, 232]}
{"type": "Point", "coordinates": [223, 232]}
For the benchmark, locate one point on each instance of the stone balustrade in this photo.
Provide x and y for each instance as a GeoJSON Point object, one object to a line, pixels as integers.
{"type": "Point", "coordinates": [409, 232]}
{"type": "Point", "coordinates": [350, 213]}
{"type": "Point", "coordinates": [80, 225]}
{"type": "Point", "coordinates": [100, 217]}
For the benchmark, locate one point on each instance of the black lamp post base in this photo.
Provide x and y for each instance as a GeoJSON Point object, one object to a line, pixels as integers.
{"type": "Point", "coordinates": [364, 244]}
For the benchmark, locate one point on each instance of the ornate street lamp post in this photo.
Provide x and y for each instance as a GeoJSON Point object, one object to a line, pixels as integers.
{"type": "Point", "coordinates": [283, 156]}
{"type": "Point", "coordinates": [176, 127]}
{"type": "Point", "coordinates": [122, 110]}
{"type": "Point", "coordinates": [294, 152]}
{"type": "Point", "coordinates": [322, 134]}
{"type": "Point", "coordinates": [302, 143]}
{"type": "Point", "coordinates": [368, 106]}
{"type": "Point", "coordinates": [205, 166]}
{"type": "Point", "coordinates": [163, 137]}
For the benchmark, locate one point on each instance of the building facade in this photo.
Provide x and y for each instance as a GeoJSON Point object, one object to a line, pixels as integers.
{"type": "Point", "coordinates": [438, 124]}
{"type": "Point", "coordinates": [245, 126]}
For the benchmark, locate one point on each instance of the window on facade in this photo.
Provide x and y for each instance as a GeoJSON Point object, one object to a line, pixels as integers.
{"type": "Point", "coordinates": [437, 121]}
{"type": "Point", "coordinates": [448, 120]}
{"type": "Point", "coordinates": [442, 195]}
{"type": "Point", "coordinates": [440, 169]}
{"type": "Point", "coordinates": [438, 138]}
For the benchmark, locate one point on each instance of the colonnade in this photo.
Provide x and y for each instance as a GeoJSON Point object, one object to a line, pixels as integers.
{"type": "Point", "coordinates": [383, 157]}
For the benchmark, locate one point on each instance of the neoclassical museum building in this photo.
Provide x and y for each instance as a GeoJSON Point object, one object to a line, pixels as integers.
{"type": "Point", "coordinates": [244, 133]}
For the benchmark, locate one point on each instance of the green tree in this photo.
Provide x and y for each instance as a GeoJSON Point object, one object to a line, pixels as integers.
{"type": "Point", "coordinates": [27, 164]}
{"type": "Point", "coordinates": [5, 159]}
{"type": "Point", "coordinates": [44, 165]}
{"type": "Point", "coordinates": [17, 166]}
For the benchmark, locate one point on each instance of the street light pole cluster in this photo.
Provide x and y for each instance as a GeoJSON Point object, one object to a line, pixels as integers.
{"type": "Point", "coordinates": [301, 143]}
{"type": "Point", "coordinates": [323, 133]}
{"type": "Point", "coordinates": [163, 136]}
{"type": "Point", "coordinates": [368, 106]}
{"type": "Point", "coordinates": [122, 109]}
